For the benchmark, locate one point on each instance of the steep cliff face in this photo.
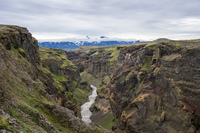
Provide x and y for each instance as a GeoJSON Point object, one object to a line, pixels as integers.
{"type": "Point", "coordinates": [98, 61]}
{"type": "Point", "coordinates": [65, 76]}
{"type": "Point", "coordinates": [34, 93]}
{"type": "Point", "coordinates": [153, 87]}
{"type": "Point", "coordinates": [156, 87]}
{"type": "Point", "coordinates": [18, 38]}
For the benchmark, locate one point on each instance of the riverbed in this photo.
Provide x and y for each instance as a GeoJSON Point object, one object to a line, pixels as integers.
{"type": "Point", "coordinates": [85, 108]}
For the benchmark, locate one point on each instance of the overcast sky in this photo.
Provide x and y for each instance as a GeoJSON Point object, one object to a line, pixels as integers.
{"type": "Point", "coordinates": [126, 19]}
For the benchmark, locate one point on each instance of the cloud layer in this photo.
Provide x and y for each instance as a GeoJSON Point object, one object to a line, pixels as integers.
{"type": "Point", "coordinates": [147, 20]}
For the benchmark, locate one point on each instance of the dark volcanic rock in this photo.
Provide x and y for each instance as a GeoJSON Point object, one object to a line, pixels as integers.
{"type": "Point", "coordinates": [18, 37]}
{"type": "Point", "coordinates": [157, 88]}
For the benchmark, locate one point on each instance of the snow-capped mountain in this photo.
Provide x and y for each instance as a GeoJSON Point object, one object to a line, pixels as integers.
{"type": "Point", "coordinates": [71, 44]}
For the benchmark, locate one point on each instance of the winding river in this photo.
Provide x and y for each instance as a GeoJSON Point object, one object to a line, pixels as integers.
{"type": "Point", "coordinates": [85, 108]}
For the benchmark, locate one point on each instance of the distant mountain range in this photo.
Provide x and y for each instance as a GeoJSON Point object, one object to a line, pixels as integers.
{"type": "Point", "coordinates": [89, 41]}
{"type": "Point", "coordinates": [73, 45]}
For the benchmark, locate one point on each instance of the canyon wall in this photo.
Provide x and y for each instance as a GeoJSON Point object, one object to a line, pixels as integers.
{"type": "Point", "coordinates": [150, 87]}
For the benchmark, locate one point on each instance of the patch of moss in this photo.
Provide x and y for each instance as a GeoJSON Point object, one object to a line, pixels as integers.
{"type": "Point", "coordinates": [114, 55]}
{"type": "Point", "coordinates": [96, 53]}
{"type": "Point", "coordinates": [26, 128]}
{"type": "Point", "coordinates": [196, 41]}
{"type": "Point", "coordinates": [13, 112]}
{"type": "Point", "coordinates": [60, 82]}
{"type": "Point", "coordinates": [45, 70]}
{"type": "Point", "coordinates": [87, 77]}
{"type": "Point", "coordinates": [4, 124]}
{"type": "Point", "coordinates": [75, 83]}
{"type": "Point", "coordinates": [139, 85]}
{"type": "Point", "coordinates": [142, 74]}
{"type": "Point", "coordinates": [19, 55]}
{"type": "Point", "coordinates": [107, 122]}
{"type": "Point", "coordinates": [147, 64]}
{"type": "Point", "coordinates": [177, 45]}
{"type": "Point", "coordinates": [59, 78]}
{"type": "Point", "coordinates": [152, 46]}
{"type": "Point", "coordinates": [80, 96]}
{"type": "Point", "coordinates": [33, 113]}
{"type": "Point", "coordinates": [69, 65]}
{"type": "Point", "coordinates": [99, 90]}
{"type": "Point", "coordinates": [1, 34]}
{"type": "Point", "coordinates": [106, 79]}
{"type": "Point", "coordinates": [47, 53]}
{"type": "Point", "coordinates": [58, 55]}
{"type": "Point", "coordinates": [21, 51]}
{"type": "Point", "coordinates": [33, 38]}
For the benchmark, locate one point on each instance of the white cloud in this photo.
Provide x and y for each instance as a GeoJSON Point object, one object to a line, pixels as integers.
{"type": "Point", "coordinates": [176, 19]}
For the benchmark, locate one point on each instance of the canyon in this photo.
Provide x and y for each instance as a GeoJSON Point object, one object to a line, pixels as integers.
{"type": "Point", "coordinates": [151, 87]}
{"type": "Point", "coordinates": [141, 88]}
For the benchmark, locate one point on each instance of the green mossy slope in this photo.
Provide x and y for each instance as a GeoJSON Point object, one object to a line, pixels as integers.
{"type": "Point", "coordinates": [36, 86]}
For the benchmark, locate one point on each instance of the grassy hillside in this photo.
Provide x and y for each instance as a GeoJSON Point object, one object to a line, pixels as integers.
{"type": "Point", "coordinates": [37, 87]}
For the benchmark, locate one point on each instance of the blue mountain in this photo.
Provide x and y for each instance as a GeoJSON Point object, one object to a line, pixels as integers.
{"type": "Point", "coordinates": [73, 45]}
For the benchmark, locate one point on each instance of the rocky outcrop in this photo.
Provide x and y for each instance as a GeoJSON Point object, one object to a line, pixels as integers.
{"type": "Point", "coordinates": [155, 88]}
{"type": "Point", "coordinates": [19, 38]}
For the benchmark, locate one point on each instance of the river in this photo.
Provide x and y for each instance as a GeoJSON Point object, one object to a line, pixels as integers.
{"type": "Point", "coordinates": [85, 108]}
